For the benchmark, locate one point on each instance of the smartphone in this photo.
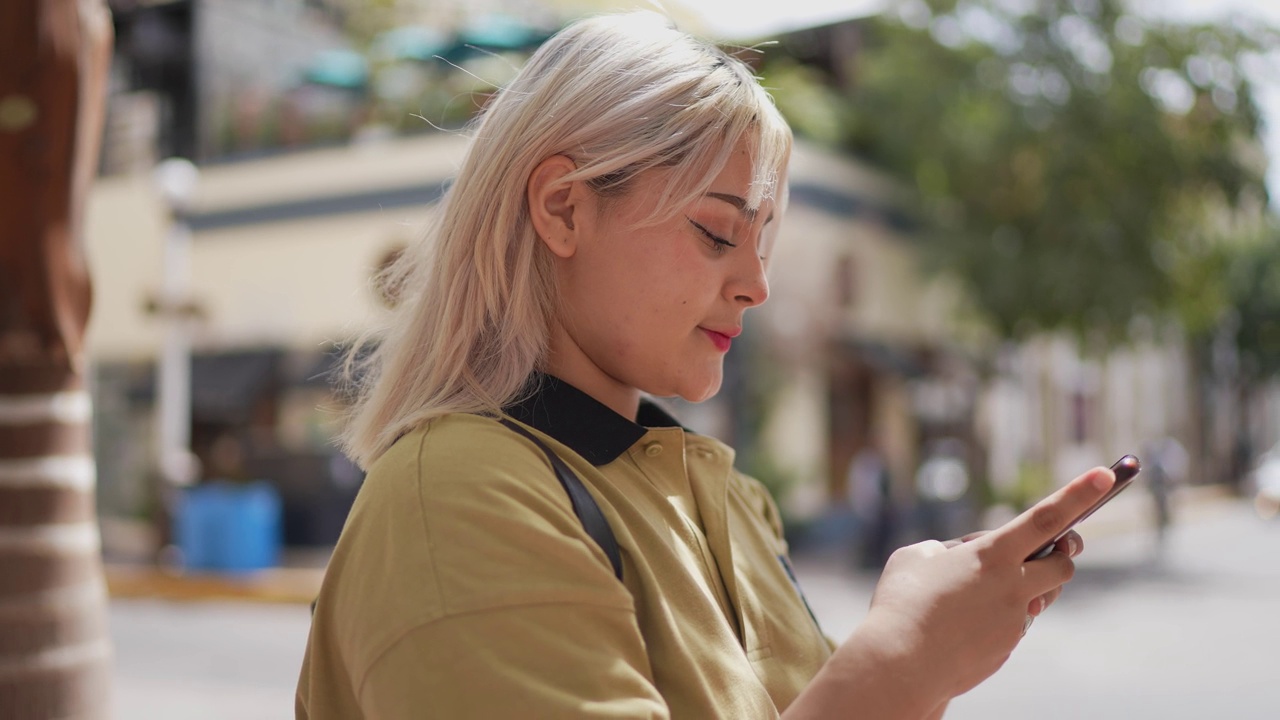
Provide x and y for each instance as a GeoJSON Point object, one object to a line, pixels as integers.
{"type": "Point", "coordinates": [1126, 469]}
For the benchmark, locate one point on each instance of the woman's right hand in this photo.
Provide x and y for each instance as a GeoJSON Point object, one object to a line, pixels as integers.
{"type": "Point", "coordinates": [953, 614]}
{"type": "Point", "coordinates": [945, 616]}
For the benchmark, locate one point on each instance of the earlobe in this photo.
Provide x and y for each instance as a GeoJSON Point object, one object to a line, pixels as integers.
{"type": "Point", "coordinates": [552, 204]}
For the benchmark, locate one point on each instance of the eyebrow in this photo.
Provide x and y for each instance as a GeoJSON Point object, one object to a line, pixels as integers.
{"type": "Point", "coordinates": [739, 203]}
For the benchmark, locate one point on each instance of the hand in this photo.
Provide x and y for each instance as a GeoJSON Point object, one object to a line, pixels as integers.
{"type": "Point", "coordinates": [1070, 545]}
{"type": "Point", "coordinates": [954, 612]}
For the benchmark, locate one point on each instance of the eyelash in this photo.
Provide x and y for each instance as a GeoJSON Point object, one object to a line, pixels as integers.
{"type": "Point", "coordinates": [719, 244]}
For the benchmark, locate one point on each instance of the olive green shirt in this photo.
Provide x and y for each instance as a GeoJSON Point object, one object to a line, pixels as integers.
{"type": "Point", "coordinates": [464, 586]}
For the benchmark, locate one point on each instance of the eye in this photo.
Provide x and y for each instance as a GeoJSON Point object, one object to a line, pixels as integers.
{"type": "Point", "coordinates": [718, 244]}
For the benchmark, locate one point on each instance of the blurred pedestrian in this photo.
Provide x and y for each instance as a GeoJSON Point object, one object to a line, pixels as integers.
{"type": "Point", "coordinates": [1166, 463]}
{"type": "Point", "coordinates": [871, 495]}
{"type": "Point", "coordinates": [536, 538]}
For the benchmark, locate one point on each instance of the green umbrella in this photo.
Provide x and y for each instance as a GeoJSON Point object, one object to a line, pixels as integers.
{"type": "Point", "coordinates": [495, 33]}
{"type": "Point", "coordinates": [345, 69]}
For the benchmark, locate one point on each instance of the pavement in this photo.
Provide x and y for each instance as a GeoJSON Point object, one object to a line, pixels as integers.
{"type": "Point", "coordinates": [298, 579]}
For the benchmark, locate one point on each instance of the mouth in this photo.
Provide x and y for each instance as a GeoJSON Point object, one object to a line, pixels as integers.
{"type": "Point", "coordinates": [721, 340]}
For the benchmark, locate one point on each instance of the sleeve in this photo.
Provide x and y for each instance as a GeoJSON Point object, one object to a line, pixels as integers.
{"type": "Point", "coordinates": [543, 661]}
{"type": "Point", "coordinates": [493, 602]}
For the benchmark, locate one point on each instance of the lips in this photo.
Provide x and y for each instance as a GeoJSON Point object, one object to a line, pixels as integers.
{"type": "Point", "coordinates": [722, 339]}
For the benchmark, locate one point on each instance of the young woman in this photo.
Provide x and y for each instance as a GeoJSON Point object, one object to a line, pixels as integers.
{"type": "Point", "coordinates": [606, 232]}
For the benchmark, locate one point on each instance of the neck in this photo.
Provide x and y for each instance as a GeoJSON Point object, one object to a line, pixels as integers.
{"type": "Point", "coordinates": [567, 361]}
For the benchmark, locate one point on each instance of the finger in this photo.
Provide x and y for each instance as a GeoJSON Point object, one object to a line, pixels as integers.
{"type": "Point", "coordinates": [1047, 574]}
{"type": "Point", "coordinates": [1071, 544]}
{"type": "Point", "coordinates": [1042, 603]}
{"type": "Point", "coordinates": [1026, 533]}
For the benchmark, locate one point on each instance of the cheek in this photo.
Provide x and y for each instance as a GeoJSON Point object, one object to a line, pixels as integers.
{"type": "Point", "coordinates": [647, 292]}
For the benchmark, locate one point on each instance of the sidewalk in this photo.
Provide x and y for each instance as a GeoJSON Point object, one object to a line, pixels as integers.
{"type": "Point", "coordinates": [299, 580]}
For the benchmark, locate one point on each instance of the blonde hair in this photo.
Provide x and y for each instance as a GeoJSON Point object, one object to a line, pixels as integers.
{"type": "Point", "coordinates": [619, 94]}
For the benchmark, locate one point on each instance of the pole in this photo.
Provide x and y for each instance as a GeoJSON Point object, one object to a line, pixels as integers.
{"type": "Point", "coordinates": [54, 646]}
{"type": "Point", "coordinates": [176, 180]}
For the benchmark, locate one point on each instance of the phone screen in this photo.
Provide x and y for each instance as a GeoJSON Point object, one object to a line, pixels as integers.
{"type": "Point", "coordinates": [1126, 469]}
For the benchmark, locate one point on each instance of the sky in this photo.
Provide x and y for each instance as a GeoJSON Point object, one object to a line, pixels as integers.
{"type": "Point", "coordinates": [747, 19]}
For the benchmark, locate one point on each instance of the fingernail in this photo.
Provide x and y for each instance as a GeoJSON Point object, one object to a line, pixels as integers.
{"type": "Point", "coordinates": [1101, 481]}
{"type": "Point", "coordinates": [1042, 605]}
{"type": "Point", "coordinates": [1072, 547]}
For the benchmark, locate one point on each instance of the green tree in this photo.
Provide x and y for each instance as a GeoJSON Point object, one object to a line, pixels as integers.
{"type": "Point", "coordinates": [1252, 275]}
{"type": "Point", "coordinates": [1069, 160]}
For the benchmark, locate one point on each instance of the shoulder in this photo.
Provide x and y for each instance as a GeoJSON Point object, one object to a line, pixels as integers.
{"type": "Point", "coordinates": [460, 516]}
{"type": "Point", "coordinates": [467, 479]}
{"type": "Point", "coordinates": [458, 442]}
{"type": "Point", "coordinates": [457, 455]}
{"type": "Point", "coordinates": [461, 539]}
{"type": "Point", "coordinates": [466, 443]}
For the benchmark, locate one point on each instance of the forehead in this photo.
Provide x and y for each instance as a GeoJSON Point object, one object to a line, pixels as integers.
{"type": "Point", "coordinates": [738, 171]}
{"type": "Point", "coordinates": [740, 176]}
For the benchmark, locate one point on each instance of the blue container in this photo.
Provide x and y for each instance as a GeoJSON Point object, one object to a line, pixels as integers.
{"type": "Point", "coordinates": [229, 527]}
{"type": "Point", "coordinates": [193, 521]}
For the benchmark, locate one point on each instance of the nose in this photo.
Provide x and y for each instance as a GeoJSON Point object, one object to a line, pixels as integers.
{"type": "Point", "coordinates": [748, 285]}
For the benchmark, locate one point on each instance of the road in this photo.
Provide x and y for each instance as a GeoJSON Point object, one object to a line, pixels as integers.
{"type": "Point", "coordinates": [1191, 633]}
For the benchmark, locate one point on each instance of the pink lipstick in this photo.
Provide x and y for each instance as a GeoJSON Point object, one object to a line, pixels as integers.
{"type": "Point", "coordinates": [721, 340]}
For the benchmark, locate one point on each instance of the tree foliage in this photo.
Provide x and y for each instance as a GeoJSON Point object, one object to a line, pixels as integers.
{"type": "Point", "coordinates": [1252, 277]}
{"type": "Point", "coordinates": [1074, 164]}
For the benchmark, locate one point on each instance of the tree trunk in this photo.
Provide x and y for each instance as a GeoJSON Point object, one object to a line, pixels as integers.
{"type": "Point", "coordinates": [54, 645]}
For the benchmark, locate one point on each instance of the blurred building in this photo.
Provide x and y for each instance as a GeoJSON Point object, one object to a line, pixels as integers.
{"type": "Point", "coordinates": [858, 344]}
{"type": "Point", "coordinates": [1050, 412]}
{"type": "Point", "coordinates": [282, 262]}
{"type": "Point", "coordinates": [199, 79]}
{"type": "Point", "coordinates": [217, 79]}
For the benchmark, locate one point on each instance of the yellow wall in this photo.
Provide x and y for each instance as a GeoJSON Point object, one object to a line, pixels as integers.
{"type": "Point", "coordinates": [293, 283]}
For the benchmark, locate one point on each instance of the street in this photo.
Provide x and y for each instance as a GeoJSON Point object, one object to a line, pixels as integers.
{"type": "Point", "coordinates": [1190, 633]}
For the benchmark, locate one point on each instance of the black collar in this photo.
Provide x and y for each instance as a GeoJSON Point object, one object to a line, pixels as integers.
{"type": "Point", "coordinates": [581, 422]}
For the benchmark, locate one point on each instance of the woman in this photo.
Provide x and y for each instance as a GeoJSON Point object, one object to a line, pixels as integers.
{"type": "Point", "coordinates": [606, 232]}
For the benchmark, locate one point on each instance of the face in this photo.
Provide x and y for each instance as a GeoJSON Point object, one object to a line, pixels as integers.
{"type": "Point", "coordinates": [655, 308]}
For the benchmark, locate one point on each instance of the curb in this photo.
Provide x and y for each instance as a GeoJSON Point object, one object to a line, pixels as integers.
{"type": "Point", "coordinates": [275, 585]}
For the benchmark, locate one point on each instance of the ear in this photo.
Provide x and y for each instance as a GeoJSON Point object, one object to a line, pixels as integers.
{"type": "Point", "coordinates": [555, 206]}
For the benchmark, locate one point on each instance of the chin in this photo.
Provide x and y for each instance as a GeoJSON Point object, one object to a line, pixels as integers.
{"type": "Point", "coordinates": [697, 392]}
{"type": "Point", "coordinates": [695, 382]}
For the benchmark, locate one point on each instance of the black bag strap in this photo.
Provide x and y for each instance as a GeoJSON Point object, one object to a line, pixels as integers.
{"type": "Point", "coordinates": [584, 506]}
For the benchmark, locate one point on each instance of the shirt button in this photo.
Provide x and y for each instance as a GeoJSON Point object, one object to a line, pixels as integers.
{"type": "Point", "coordinates": [653, 449]}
